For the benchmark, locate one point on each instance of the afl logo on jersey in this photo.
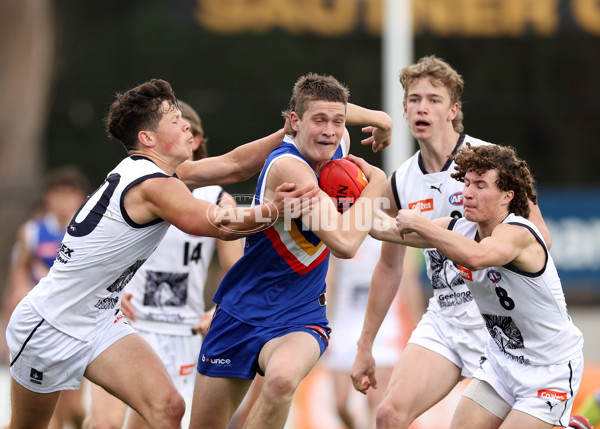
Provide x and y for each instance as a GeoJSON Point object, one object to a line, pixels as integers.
{"type": "Point", "coordinates": [456, 199]}
{"type": "Point", "coordinates": [494, 276]}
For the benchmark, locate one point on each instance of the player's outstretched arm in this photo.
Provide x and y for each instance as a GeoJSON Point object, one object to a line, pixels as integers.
{"type": "Point", "coordinates": [168, 198]}
{"type": "Point", "coordinates": [375, 122]}
{"type": "Point", "coordinates": [384, 286]}
{"type": "Point", "coordinates": [235, 166]}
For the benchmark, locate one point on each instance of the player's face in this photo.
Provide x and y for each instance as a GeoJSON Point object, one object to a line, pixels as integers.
{"type": "Point", "coordinates": [428, 109]}
{"type": "Point", "coordinates": [64, 201]}
{"type": "Point", "coordinates": [320, 130]}
{"type": "Point", "coordinates": [482, 200]}
{"type": "Point", "coordinates": [173, 135]}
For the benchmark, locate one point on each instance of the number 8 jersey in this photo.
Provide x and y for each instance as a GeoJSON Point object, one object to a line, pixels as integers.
{"type": "Point", "coordinates": [100, 252]}
{"type": "Point", "coordinates": [525, 313]}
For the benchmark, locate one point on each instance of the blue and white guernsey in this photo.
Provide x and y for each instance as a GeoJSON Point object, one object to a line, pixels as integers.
{"type": "Point", "coordinates": [440, 196]}
{"type": "Point", "coordinates": [525, 313]}
{"type": "Point", "coordinates": [281, 276]}
{"type": "Point", "coordinates": [101, 251]}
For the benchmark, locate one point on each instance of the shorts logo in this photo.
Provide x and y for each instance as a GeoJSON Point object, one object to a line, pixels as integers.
{"type": "Point", "coordinates": [465, 273]}
{"type": "Point", "coordinates": [494, 276]}
{"type": "Point", "coordinates": [36, 376]}
{"type": "Point", "coordinates": [186, 369]}
{"type": "Point", "coordinates": [456, 199]}
{"type": "Point", "coordinates": [551, 394]}
{"type": "Point", "coordinates": [426, 205]}
{"type": "Point", "coordinates": [216, 361]}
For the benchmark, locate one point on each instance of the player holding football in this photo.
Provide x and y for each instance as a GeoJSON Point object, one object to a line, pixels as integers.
{"type": "Point", "coordinates": [450, 338]}
{"type": "Point", "coordinates": [270, 317]}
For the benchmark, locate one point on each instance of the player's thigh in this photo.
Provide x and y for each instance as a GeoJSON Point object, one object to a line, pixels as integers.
{"type": "Point", "coordinates": [31, 410]}
{"type": "Point", "coordinates": [519, 419]}
{"type": "Point", "coordinates": [430, 377]}
{"type": "Point", "coordinates": [215, 400]}
{"type": "Point", "coordinates": [105, 409]}
{"type": "Point", "coordinates": [291, 356]}
{"type": "Point", "coordinates": [131, 370]}
{"type": "Point", "coordinates": [470, 415]}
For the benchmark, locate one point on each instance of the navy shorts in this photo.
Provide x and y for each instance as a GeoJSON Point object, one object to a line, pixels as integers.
{"type": "Point", "coordinates": [231, 347]}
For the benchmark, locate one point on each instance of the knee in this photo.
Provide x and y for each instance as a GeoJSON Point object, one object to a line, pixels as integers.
{"type": "Point", "coordinates": [279, 388]}
{"type": "Point", "coordinates": [390, 416]}
{"type": "Point", "coordinates": [173, 410]}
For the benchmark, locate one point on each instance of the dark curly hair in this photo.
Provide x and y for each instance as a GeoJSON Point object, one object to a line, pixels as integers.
{"type": "Point", "coordinates": [139, 108]}
{"type": "Point", "coordinates": [513, 173]}
{"type": "Point", "coordinates": [315, 87]}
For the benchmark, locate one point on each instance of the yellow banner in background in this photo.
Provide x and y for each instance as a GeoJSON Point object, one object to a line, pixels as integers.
{"type": "Point", "coordinates": [457, 18]}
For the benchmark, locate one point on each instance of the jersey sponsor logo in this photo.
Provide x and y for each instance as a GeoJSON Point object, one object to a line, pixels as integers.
{"type": "Point", "coordinates": [186, 369]}
{"type": "Point", "coordinates": [551, 394]}
{"type": "Point", "coordinates": [216, 361]}
{"type": "Point", "coordinates": [454, 298]}
{"type": "Point", "coordinates": [465, 273]}
{"type": "Point", "coordinates": [426, 205]}
{"type": "Point", "coordinates": [456, 199]}
{"type": "Point", "coordinates": [494, 276]}
{"type": "Point", "coordinates": [64, 254]}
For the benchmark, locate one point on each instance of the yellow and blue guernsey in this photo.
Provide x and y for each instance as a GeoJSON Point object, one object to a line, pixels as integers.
{"type": "Point", "coordinates": [280, 279]}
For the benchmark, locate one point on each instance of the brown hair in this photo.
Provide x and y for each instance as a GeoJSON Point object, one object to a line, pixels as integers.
{"type": "Point", "coordinates": [315, 87]}
{"type": "Point", "coordinates": [513, 173]}
{"type": "Point", "coordinates": [68, 176]}
{"type": "Point", "coordinates": [138, 109]}
{"type": "Point", "coordinates": [441, 74]}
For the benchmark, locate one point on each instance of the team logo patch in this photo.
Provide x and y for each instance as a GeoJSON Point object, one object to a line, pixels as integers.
{"type": "Point", "coordinates": [426, 205]}
{"type": "Point", "coordinates": [36, 376]}
{"type": "Point", "coordinates": [456, 199]}
{"type": "Point", "coordinates": [322, 300]}
{"type": "Point", "coordinates": [465, 273]}
{"type": "Point", "coordinates": [551, 394]}
{"type": "Point", "coordinates": [494, 276]}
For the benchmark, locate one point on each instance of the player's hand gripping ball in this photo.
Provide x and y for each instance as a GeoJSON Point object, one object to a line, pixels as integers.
{"type": "Point", "coordinates": [343, 181]}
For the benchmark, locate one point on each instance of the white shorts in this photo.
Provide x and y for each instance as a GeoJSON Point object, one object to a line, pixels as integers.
{"type": "Point", "coordinates": [179, 354]}
{"type": "Point", "coordinates": [543, 391]}
{"type": "Point", "coordinates": [463, 347]}
{"type": "Point", "coordinates": [341, 351]}
{"type": "Point", "coordinates": [44, 359]}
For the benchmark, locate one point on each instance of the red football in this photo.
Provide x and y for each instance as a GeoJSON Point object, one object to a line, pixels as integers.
{"type": "Point", "coordinates": [343, 181]}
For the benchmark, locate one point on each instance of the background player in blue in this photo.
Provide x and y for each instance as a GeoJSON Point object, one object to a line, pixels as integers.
{"type": "Point", "coordinates": [449, 339]}
{"type": "Point", "coordinates": [533, 361]}
{"type": "Point", "coordinates": [270, 315]}
{"type": "Point", "coordinates": [70, 324]}
{"type": "Point", "coordinates": [64, 190]}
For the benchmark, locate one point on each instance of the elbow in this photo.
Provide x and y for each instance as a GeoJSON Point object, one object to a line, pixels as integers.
{"type": "Point", "coordinates": [474, 263]}
{"type": "Point", "coordinates": [343, 254]}
{"type": "Point", "coordinates": [345, 249]}
{"type": "Point", "coordinates": [228, 235]}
